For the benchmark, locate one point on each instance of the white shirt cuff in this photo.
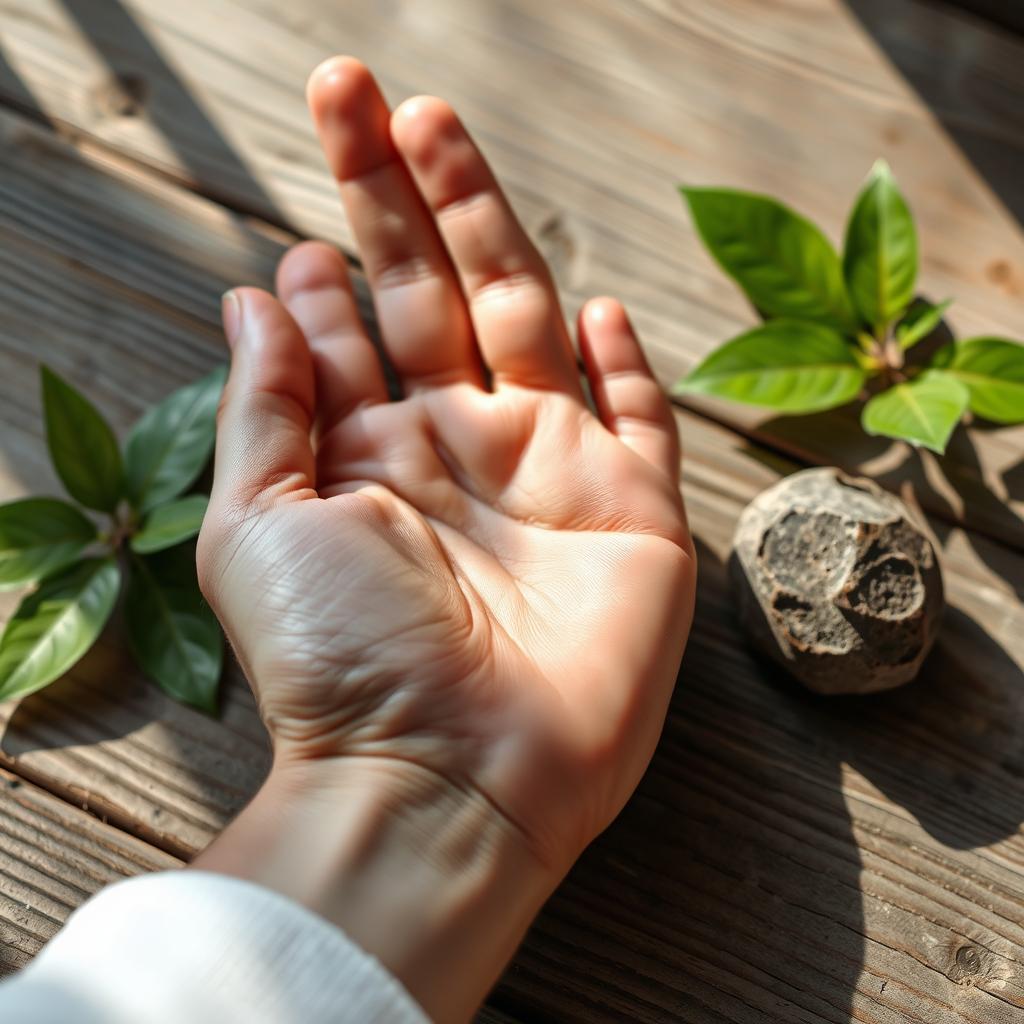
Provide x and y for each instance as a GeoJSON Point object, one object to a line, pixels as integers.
{"type": "Point", "coordinates": [190, 947]}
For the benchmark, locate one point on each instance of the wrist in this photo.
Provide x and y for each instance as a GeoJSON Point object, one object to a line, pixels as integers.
{"type": "Point", "coordinates": [427, 876]}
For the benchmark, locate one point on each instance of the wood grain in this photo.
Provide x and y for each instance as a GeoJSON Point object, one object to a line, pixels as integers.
{"type": "Point", "coordinates": [786, 857]}
{"type": "Point", "coordinates": [54, 856]}
{"type": "Point", "coordinates": [591, 112]}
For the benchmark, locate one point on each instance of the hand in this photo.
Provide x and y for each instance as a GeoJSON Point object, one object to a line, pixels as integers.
{"type": "Point", "coordinates": [480, 592]}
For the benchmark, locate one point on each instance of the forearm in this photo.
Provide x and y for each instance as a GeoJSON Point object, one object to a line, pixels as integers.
{"type": "Point", "coordinates": [427, 877]}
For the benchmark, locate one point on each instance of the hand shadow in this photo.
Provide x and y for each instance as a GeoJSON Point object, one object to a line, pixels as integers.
{"type": "Point", "coordinates": [730, 888]}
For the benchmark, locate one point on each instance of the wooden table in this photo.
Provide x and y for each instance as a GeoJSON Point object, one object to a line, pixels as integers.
{"type": "Point", "coordinates": [786, 858]}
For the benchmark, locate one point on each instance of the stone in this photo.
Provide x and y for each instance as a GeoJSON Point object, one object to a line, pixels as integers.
{"type": "Point", "coordinates": [836, 580]}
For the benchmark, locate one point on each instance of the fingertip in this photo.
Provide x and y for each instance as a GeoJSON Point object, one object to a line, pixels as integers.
{"type": "Point", "coordinates": [420, 123]}
{"type": "Point", "coordinates": [252, 304]}
{"type": "Point", "coordinates": [307, 267]}
{"type": "Point", "coordinates": [446, 163]}
{"type": "Point", "coordinates": [424, 107]}
{"type": "Point", "coordinates": [314, 284]}
{"type": "Point", "coordinates": [606, 314]}
{"type": "Point", "coordinates": [268, 346]}
{"type": "Point", "coordinates": [629, 400]}
{"type": "Point", "coordinates": [334, 79]}
{"type": "Point", "coordinates": [411, 108]}
{"type": "Point", "coordinates": [239, 308]}
{"type": "Point", "coordinates": [351, 117]}
{"type": "Point", "coordinates": [607, 338]}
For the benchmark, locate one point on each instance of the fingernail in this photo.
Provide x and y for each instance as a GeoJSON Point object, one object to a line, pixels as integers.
{"type": "Point", "coordinates": [231, 314]}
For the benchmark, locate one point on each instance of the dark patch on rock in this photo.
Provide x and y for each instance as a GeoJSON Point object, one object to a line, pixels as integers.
{"type": "Point", "coordinates": [836, 580]}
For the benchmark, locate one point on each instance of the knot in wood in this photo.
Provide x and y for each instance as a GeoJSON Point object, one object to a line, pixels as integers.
{"type": "Point", "coordinates": [967, 960]}
{"type": "Point", "coordinates": [558, 245]}
{"type": "Point", "coordinates": [120, 95]}
{"type": "Point", "coordinates": [837, 582]}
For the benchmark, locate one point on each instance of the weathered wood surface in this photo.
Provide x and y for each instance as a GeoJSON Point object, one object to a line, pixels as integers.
{"type": "Point", "coordinates": [53, 857]}
{"type": "Point", "coordinates": [591, 112]}
{"type": "Point", "coordinates": [786, 858]}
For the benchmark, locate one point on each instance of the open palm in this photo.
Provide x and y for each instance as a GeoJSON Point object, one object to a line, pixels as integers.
{"type": "Point", "coordinates": [482, 579]}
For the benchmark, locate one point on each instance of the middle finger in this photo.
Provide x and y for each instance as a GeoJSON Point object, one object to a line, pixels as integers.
{"type": "Point", "coordinates": [420, 308]}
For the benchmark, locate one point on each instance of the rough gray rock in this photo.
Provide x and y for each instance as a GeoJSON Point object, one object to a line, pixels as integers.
{"type": "Point", "coordinates": [837, 582]}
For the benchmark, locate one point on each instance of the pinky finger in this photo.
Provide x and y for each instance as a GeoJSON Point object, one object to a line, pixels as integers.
{"type": "Point", "coordinates": [629, 399]}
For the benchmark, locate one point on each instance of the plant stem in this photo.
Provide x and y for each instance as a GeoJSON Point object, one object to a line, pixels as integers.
{"type": "Point", "coordinates": [894, 355]}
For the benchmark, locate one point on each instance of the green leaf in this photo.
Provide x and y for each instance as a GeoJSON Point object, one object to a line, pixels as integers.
{"type": "Point", "coordinates": [923, 412]}
{"type": "Point", "coordinates": [919, 322]}
{"type": "Point", "coordinates": [993, 371]}
{"type": "Point", "coordinates": [783, 263]}
{"type": "Point", "coordinates": [82, 445]}
{"type": "Point", "coordinates": [55, 625]}
{"type": "Point", "coordinates": [880, 253]}
{"type": "Point", "coordinates": [39, 536]}
{"type": "Point", "coordinates": [171, 631]}
{"type": "Point", "coordinates": [169, 446]}
{"type": "Point", "coordinates": [170, 524]}
{"type": "Point", "coordinates": [785, 365]}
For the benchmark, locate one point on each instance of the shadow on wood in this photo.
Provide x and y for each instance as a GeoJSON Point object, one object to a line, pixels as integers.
{"type": "Point", "coordinates": [734, 869]}
{"type": "Point", "coordinates": [740, 889]}
{"type": "Point", "coordinates": [16, 93]}
{"type": "Point", "coordinates": [962, 91]}
{"type": "Point", "coordinates": [951, 488]}
{"type": "Point", "coordinates": [137, 67]}
{"type": "Point", "coordinates": [973, 491]}
{"type": "Point", "coordinates": [1013, 481]}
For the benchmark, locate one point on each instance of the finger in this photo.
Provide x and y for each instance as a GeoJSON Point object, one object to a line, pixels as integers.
{"type": "Point", "coordinates": [263, 447]}
{"type": "Point", "coordinates": [629, 399]}
{"type": "Point", "coordinates": [420, 309]}
{"type": "Point", "coordinates": [512, 300]}
{"type": "Point", "coordinates": [314, 285]}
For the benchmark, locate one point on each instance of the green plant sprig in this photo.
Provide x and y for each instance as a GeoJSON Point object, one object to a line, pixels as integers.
{"type": "Point", "coordinates": [146, 547]}
{"type": "Point", "coordinates": [831, 326]}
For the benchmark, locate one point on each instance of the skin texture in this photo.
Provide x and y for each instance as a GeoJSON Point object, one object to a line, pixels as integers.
{"type": "Point", "coordinates": [462, 612]}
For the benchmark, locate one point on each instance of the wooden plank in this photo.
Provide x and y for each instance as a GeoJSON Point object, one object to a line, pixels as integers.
{"type": "Point", "coordinates": [786, 858]}
{"type": "Point", "coordinates": [53, 857]}
{"type": "Point", "coordinates": [591, 112]}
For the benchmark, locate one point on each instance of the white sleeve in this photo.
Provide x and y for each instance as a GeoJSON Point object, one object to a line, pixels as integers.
{"type": "Point", "coordinates": [189, 947]}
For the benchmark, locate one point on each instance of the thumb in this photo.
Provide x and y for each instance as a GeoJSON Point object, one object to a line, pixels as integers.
{"type": "Point", "coordinates": [263, 425]}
